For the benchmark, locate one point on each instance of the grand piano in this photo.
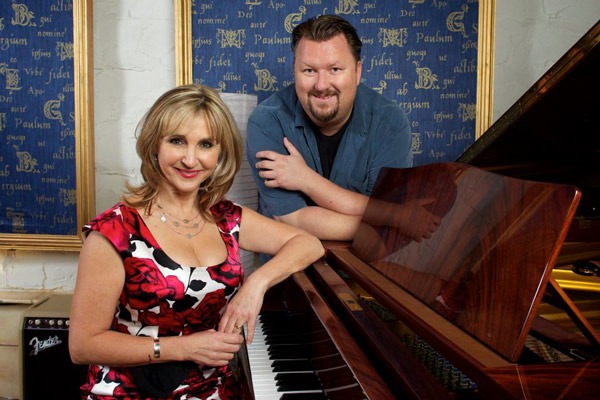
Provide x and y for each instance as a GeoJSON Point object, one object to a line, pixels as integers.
{"type": "Point", "coordinates": [475, 279]}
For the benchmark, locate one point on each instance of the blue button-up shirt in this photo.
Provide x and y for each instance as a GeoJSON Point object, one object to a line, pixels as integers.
{"type": "Point", "coordinates": [378, 135]}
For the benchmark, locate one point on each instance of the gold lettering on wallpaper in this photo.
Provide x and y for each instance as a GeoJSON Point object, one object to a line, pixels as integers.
{"type": "Point", "coordinates": [38, 54]}
{"type": "Point", "coordinates": [12, 81]}
{"type": "Point", "coordinates": [22, 16]}
{"type": "Point", "coordinates": [15, 138]}
{"type": "Point", "coordinates": [68, 196]}
{"type": "Point", "coordinates": [467, 111]}
{"type": "Point", "coordinates": [455, 23]}
{"type": "Point", "coordinates": [293, 19]}
{"type": "Point", "coordinates": [381, 60]}
{"type": "Point", "coordinates": [426, 78]}
{"type": "Point", "coordinates": [459, 136]}
{"type": "Point", "coordinates": [466, 67]}
{"type": "Point", "coordinates": [382, 86]}
{"type": "Point", "coordinates": [347, 7]}
{"type": "Point", "coordinates": [26, 162]}
{"type": "Point", "coordinates": [276, 6]}
{"type": "Point", "coordinates": [231, 38]}
{"type": "Point", "coordinates": [4, 171]}
{"type": "Point", "coordinates": [52, 109]}
{"type": "Point", "coordinates": [416, 143]}
{"type": "Point", "coordinates": [9, 189]}
{"type": "Point", "coordinates": [17, 220]}
{"type": "Point", "coordinates": [253, 3]}
{"type": "Point", "coordinates": [44, 199]}
{"type": "Point", "coordinates": [64, 153]}
{"type": "Point", "coordinates": [393, 37]}
{"type": "Point", "coordinates": [264, 80]}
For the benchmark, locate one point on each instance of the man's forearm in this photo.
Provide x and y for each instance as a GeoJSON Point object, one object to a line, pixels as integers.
{"type": "Point", "coordinates": [323, 223]}
{"type": "Point", "coordinates": [328, 195]}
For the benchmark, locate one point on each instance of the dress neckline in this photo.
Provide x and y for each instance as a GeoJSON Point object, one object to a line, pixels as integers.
{"type": "Point", "coordinates": [168, 256]}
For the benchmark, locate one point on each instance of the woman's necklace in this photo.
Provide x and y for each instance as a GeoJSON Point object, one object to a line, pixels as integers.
{"type": "Point", "coordinates": [177, 223]}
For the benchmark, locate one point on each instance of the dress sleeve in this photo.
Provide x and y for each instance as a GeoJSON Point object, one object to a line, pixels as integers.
{"type": "Point", "coordinates": [112, 225]}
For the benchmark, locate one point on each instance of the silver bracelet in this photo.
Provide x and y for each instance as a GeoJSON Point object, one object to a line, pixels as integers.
{"type": "Point", "coordinates": [156, 348]}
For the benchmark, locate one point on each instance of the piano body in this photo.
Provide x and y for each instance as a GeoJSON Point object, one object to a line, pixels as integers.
{"type": "Point", "coordinates": [476, 279]}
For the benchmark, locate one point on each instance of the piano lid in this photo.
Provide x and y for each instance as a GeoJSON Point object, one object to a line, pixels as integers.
{"type": "Point", "coordinates": [552, 133]}
{"type": "Point", "coordinates": [476, 246]}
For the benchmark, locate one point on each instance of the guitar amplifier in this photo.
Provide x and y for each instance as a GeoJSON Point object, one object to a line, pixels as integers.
{"type": "Point", "coordinates": [47, 367]}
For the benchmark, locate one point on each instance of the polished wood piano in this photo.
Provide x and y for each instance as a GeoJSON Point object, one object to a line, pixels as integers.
{"type": "Point", "coordinates": [475, 279]}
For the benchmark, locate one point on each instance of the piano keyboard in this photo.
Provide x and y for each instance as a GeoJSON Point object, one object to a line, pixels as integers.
{"type": "Point", "coordinates": [293, 357]}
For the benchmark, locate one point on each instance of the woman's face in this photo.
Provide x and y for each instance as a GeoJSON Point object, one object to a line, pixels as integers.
{"type": "Point", "coordinates": [188, 156]}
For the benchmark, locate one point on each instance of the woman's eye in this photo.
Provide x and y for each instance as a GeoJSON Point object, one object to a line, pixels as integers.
{"type": "Point", "coordinates": [175, 140]}
{"type": "Point", "coordinates": [206, 144]}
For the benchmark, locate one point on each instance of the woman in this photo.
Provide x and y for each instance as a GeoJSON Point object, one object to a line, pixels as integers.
{"type": "Point", "coordinates": [154, 312]}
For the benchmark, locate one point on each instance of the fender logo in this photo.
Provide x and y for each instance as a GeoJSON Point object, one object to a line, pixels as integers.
{"type": "Point", "coordinates": [40, 345]}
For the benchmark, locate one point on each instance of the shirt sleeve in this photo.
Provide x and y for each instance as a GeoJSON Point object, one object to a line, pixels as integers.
{"type": "Point", "coordinates": [391, 142]}
{"type": "Point", "coordinates": [265, 131]}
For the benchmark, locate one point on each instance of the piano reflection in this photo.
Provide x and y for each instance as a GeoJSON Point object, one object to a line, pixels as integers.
{"type": "Point", "coordinates": [476, 279]}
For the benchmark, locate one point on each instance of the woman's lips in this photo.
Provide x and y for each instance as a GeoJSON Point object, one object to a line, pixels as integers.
{"type": "Point", "coordinates": [188, 174]}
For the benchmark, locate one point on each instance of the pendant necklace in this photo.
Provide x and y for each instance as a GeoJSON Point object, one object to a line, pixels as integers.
{"type": "Point", "coordinates": [180, 223]}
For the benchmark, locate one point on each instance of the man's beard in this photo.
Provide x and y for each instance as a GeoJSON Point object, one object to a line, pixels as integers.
{"type": "Point", "coordinates": [320, 114]}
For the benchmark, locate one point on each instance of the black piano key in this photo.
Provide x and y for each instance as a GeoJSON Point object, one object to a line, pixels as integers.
{"type": "Point", "coordinates": [328, 362]}
{"type": "Point", "coordinates": [302, 351]}
{"type": "Point", "coordinates": [292, 382]}
{"type": "Point", "coordinates": [336, 377]}
{"type": "Point", "coordinates": [292, 365]}
{"type": "Point", "coordinates": [305, 396]}
{"type": "Point", "coordinates": [287, 352]}
{"type": "Point", "coordinates": [354, 392]}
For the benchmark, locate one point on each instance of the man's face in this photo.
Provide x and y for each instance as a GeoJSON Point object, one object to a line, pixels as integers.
{"type": "Point", "coordinates": [326, 77]}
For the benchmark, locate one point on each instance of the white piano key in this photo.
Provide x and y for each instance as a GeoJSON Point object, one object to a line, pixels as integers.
{"type": "Point", "coordinates": [263, 377]}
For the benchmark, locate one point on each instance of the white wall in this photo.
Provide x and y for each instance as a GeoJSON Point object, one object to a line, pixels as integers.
{"type": "Point", "coordinates": [134, 64]}
{"type": "Point", "coordinates": [531, 35]}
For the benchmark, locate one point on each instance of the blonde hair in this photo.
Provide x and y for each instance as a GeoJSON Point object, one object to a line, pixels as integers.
{"type": "Point", "coordinates": [164, 117]}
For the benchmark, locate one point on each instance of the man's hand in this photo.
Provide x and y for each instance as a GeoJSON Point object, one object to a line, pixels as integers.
{"type": "Point", "coordinates": [288, 172]}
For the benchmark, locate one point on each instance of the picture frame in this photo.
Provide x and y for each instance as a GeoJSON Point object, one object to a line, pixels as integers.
{"type": "Point", "coordinates": [48, 161]}
{"type": "Point", "coordinates": [223, 36]}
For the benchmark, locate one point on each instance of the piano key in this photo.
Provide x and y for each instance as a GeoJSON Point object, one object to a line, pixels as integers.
{"type": "Point", "coordinates": [305, 396]}
{"type": "Point", "coordinates": [294, 382]}
{"type": "Point", "coordinates": [293, 357]}
{"type": "Point", "coordinates": [267, 384]}
{"type": "Point", "coordinates": [291, 366]}
{"type": "Point", "coordinates": [263, 379]}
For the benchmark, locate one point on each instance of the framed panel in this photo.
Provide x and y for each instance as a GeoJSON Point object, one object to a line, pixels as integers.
{"type": "Point", "coordinates": [435, 59]}
{"type": "Point", "coordinates": [46, 124]}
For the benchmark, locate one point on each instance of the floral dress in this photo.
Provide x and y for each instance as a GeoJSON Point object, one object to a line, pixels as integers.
{"type": "Point", "coordinates": [163, 298]}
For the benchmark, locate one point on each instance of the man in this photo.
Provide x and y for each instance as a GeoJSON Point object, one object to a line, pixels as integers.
{"type": "Point", "coordinates": [316, 147]}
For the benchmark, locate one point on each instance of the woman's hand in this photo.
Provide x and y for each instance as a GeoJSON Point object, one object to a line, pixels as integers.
{"type": "Point", "coordinates": [211, 348]}
{"type": "Point", "coordinates": [243, 309]}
